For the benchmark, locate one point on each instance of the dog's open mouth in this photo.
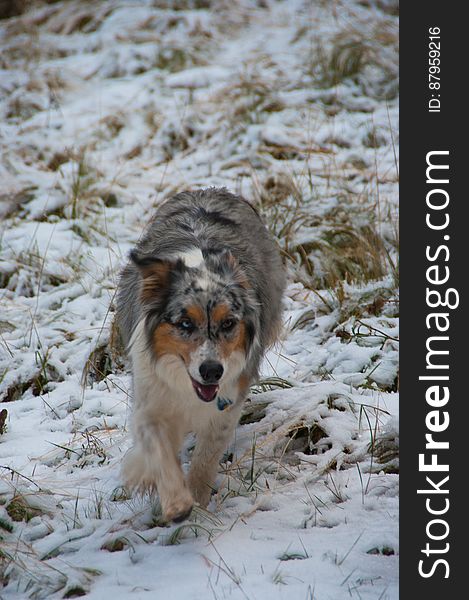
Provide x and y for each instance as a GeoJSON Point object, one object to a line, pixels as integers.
{"type": "Point", "coordinates": [205, 392]}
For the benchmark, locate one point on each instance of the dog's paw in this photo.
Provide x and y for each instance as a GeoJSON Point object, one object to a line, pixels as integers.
{"type": "Point", "coordinates": [179, 518]}
{"type": "Point", "coordinates": [178, 509]}
{"type": "Point", "coordinates": [201, 491]}
{"type": "Point", "coordinates": [135, 475]}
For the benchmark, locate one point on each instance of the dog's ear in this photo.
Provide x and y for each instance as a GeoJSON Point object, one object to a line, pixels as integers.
{"type": "Point", "coordinates": [156, 273]}
{"type": "Point", "coordinates": [149, 265]}
{"type": "Point", "coordinates": [231, 265]}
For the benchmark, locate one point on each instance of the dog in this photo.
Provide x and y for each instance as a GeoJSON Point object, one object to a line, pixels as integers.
{"type": "Point", "coordinates": [198, 304]}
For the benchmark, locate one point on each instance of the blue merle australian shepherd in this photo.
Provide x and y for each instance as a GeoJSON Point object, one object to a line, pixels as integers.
{"type": "Point", "coordinates": [198, 305]}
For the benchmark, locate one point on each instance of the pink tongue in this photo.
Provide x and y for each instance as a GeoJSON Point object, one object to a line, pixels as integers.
{"type": "Point", "coordinates": [208, 392]}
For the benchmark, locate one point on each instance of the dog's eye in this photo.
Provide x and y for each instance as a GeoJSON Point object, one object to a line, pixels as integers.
{"type": "Point", "coordinates": [228, 324]}
{"type": "Point", "coordinates": [185, 325]}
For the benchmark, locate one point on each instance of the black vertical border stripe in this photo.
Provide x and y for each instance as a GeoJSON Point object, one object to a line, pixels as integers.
{"type": "Point", "coordinates": [422, 132]}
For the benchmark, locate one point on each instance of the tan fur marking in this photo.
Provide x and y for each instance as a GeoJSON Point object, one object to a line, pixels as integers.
{"type": "Point", "coordinates": [165, 341]}
{"type": "Point", "coordinates": [155, 278]}
{"type": "Point", "coordinates": [238, 342]}
{"type": "Point", "coordinates": [196, 314]}
{"type": "Point", "coordinates": [220, 312]}
{"type": "Point", "coordinates": [243, 384]}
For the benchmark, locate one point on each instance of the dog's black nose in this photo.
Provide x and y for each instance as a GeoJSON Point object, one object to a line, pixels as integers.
{"type": "Point", "coordinates": [211, 371]}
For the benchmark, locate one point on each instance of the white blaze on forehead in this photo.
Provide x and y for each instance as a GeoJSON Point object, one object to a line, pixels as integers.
{"type": "Point", "coordinates": [203, 281]}
{"type": "Point", "coordinates": [192, 258]}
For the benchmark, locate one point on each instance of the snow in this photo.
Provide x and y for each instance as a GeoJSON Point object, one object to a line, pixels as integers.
{"type": "Point", "coordinates": [199, 77]}
{"type": "Point", "coordinates": [108, 109]}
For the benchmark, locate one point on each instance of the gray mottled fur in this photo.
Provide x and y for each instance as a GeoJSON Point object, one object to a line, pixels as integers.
{"type": "Point", "coordinates": [206, 249]}
{"type": "Point", "coordinates": [213, 220]}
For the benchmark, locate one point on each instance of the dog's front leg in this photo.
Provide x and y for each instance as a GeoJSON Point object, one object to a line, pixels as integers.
{"type": "Point", "coordinates": [153, 462]}
{"type": "Point", "coordinates": [212, 441]}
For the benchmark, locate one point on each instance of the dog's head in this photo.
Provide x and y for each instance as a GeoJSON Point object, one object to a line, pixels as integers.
{"type": "Point", "coordinates": [201, 318]}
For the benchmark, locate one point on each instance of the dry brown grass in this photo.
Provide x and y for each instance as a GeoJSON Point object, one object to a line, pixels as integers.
{"type": "Point", "coordinates": [346, 244]}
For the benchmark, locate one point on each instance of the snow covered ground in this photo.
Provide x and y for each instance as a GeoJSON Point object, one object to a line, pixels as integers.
{"type": "Point", "coordinates": [106, 109]}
